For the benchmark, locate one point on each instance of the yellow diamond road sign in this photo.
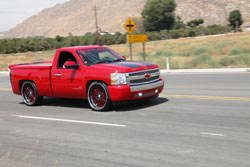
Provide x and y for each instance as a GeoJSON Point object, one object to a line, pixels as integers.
{"type": "Point", "coordinates": [137, 38]}
{"type": "Point", "coordinates": [130, 25]}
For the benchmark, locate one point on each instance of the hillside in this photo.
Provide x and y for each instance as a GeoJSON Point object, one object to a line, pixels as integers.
{"type": "Point", "coordinates": [76, 17]}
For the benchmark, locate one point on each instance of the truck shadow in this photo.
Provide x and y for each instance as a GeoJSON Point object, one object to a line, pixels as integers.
{"type": "Point", "coordinates": [140, 104]}
{"type": "Point", "coordinates": [62, 102]}
{"type": "Point", "coordinates": [80, 103]}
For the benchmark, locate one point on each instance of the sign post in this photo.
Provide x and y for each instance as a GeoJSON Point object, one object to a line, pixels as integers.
{"type": "Point", "coordinates": [130, 27]}
{"type": "Point", "coordinates": [143, 51]}
{"type": "Point", "coordinates": [131, 51]}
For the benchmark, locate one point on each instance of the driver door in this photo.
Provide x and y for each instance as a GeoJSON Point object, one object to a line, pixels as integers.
{"type": "Point", "coordinates": [66, 82]}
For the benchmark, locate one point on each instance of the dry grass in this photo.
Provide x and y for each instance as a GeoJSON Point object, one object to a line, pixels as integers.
{"type": "Point", "coordinates": [199, 52]}
{"type": "Point", "coordinates": [230, 50]}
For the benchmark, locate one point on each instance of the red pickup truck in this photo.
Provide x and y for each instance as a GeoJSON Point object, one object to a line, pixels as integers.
{"type": "Point", "coordinates": [95, 73]}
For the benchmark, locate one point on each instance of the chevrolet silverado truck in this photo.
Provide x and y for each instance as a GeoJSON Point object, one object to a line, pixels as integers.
{"type": "Point", "coordinates": [95, 73]}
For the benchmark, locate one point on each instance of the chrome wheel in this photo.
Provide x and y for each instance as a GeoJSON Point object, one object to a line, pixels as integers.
{"type": "Point", "coordinates": [98, 96]}
{"type": "Point", "coordinates": [30, 95]}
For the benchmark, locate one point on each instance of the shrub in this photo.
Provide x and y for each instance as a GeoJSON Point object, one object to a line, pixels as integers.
{"type": "Point", "coordinates": [238, 51]}
{"type": "Point", "coordinates": [216, 29]}
{"type": "Point", "coordinates": [164, 34]}
{"type": "Point", "coordinates": [225, 61]}
{"type": "Point", "coordinates": [234, 60]}
{"type": "Point", "coordinates": [200, 51]}
{"type": "Point", "coordinates": [202, 59]}
{"type": "Point", "coordinates": [242, 59]}
{"type": "Point", "coordinates": [174, 63]}
{"type": "Point", "coordinates": [186, 53]}
{"type": "Point", "coordinates": [154, 36]}
{"type": "Point", "coordinates": [163, 54]}
{"type": "Point", "coordinates": [141, 56]}
{"type": "Point", "coordinates": [195, 23]}
{"type": "Point", "coordinates": [179, 33]}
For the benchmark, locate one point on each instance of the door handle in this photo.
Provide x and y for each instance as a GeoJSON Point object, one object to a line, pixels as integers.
{"type": "Point", "coordinates": [58, 75]}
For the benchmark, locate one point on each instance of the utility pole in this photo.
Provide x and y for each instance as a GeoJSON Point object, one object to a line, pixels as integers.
{"type": "Point", "coordinates": [237, 26]}
{"type": "Point", "coordinates": [226, 17]}
{"type": "Point", "coordinates": [96, 24]}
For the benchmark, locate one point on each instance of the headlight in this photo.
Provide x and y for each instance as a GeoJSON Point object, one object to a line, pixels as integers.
{"type": "Point", "coordinates": [118, 79]}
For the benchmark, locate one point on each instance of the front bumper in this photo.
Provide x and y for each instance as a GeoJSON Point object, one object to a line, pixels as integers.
{"type": "Point", "coordinates": [147, 86]}
{"type": "Point", "coordinates": [126, 92]}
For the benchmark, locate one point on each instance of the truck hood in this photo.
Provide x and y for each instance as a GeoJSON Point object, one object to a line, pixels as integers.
{"type": "Point", "coordinates": [126, 66]}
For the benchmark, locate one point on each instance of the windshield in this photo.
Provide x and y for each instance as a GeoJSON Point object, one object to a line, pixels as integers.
{"type": "Point", "coordinates": [98, 55]}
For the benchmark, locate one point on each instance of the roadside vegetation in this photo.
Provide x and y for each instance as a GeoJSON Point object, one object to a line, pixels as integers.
{"type": "Point", "coordinates": [226, 51]}
{"type": "Point", "coordinates": [223, 51]}
{"type": "Point", "coordinates": [43, 44]}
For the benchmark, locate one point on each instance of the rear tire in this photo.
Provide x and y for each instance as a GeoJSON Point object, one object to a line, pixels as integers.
{"type": "Point", "coordinates": [30, 94]}
{"type": "Point", "coordinates": [98, 97]}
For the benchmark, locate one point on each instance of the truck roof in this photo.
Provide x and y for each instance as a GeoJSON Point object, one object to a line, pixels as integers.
{"type": "Point", "coordinates": [74, 48]}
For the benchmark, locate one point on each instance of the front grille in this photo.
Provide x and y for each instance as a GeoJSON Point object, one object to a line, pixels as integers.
{"type": "Point", "coordinates": [138, 78]}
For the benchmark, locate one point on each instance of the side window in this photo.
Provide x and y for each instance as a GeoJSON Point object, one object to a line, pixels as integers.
{"type": "Point", "coordinates": [64, 57]}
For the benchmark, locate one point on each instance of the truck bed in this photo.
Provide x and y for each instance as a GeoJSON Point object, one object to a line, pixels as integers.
{"type": "Point", "coordinates": [35, 65]}
{"type": "Point", "coordinates": [38, 72]}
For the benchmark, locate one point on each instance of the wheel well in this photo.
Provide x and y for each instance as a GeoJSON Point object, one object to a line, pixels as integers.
{"type": "Point", "coordinates": [21, 84]}
{"type": "Point", "coordinates": [10, 78]}
{"type": "Point", "coordinates": [89, 82]}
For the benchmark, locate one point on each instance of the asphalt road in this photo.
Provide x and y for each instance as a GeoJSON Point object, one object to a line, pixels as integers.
{"type": "Point", "coordinates": [200, 120]}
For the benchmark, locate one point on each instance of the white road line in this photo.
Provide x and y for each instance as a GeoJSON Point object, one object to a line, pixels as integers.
{"type": "Point", "coordinates": [212, 134]}
{"type": "Point", "coordinates": [68, 120]}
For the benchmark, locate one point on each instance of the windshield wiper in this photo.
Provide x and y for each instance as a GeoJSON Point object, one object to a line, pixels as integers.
{"type": "Point", "coordinates": [104, 61]}
{"type": "Point", "coordinates": [118, 60]}
{"type": "Point", "coordinates": [108, 61]}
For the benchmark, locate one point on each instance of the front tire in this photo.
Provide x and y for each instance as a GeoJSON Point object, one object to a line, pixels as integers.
{"type": "Point", "coordinates": [98, 97]}
{"type": "Point", "coordinates": [30, 94]}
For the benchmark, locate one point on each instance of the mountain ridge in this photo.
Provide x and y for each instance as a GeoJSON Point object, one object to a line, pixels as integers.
{"type": "Point", "coordinates": [76, 17]}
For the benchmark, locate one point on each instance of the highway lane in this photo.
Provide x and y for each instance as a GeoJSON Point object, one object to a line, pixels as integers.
{"type": "Point", "coordinates": [163, 132]}
{"type": "Point", "coordinates": [210, 84]}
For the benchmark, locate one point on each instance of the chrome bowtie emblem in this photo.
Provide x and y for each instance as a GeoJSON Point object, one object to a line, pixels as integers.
{"type": "Point", "coordinates": [147, 76]}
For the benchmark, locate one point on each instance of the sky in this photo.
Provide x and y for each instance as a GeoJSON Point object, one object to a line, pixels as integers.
{"type": "Point", "coordinates": [13, 12]}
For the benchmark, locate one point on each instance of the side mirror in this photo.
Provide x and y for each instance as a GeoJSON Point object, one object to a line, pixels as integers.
{"type": "Point", "coordinates": [124, 57]}
{"type": "Point", "coordinates": [71, 65]}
